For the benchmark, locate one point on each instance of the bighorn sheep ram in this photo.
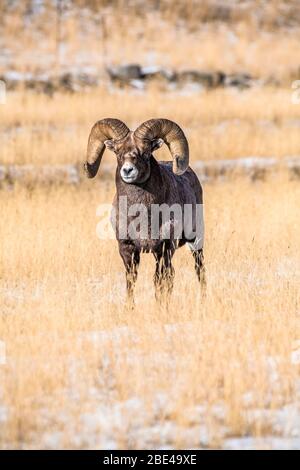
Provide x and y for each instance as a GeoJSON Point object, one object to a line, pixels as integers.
{"type": "Point", "coordinates": [141, 179]}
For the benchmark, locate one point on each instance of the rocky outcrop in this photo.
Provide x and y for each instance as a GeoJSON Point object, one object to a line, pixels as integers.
{"type": "Point", "coordinates": [137, 76]}
{"type": "Point", "coordinates": [255, 168]}
{"type": "Point", "coordinates": [68, 82]}
{"type": "Point", "coordinates": [130, 75]}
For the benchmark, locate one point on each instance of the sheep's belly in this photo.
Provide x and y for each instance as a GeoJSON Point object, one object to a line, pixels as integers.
{"type": "Point", "coordinates": [148, 246]}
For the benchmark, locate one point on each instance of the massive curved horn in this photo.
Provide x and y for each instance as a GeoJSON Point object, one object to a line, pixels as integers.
{"type": "Point", "coordinates": [103, 130]}
{"type": "Point", "coordinates": [172, 135]}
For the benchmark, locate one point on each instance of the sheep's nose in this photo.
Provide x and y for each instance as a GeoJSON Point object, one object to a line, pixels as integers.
{"type": "Point", "coordinates": [127, 171]}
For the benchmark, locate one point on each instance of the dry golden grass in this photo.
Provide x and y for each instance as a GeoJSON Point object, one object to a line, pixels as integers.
{"type": "Point", "coordinates": [152, 376]}
{"type": "Point", "coordinates": [222, 124]}
{"type": "Point", "coordinates": [259, 39]}
{"type": "Point", "coordinates": [81, 370]}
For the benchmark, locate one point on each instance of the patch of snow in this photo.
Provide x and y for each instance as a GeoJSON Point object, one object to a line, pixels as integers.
{"type": "Point", "coordinates": [265, 443]}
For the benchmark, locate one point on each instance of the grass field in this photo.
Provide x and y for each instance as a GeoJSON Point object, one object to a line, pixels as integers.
{"type": "Point", "coordinates": [221, 124]}
{"type": "Point", "coordinates": [82, 371]}
{"type": "Point", "coordinates": [260, 38]}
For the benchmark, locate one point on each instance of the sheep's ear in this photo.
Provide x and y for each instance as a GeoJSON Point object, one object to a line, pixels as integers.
{"type": "Point", "coordinates": [156, 144]}
{"type": "Point", "coordinates": [110, 144]}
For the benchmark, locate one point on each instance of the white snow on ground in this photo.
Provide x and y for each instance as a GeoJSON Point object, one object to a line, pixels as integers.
{"type": "Point", "coordinates": [266, 443]}
{"type": "Point", "coordinates": [106, 424]}
{"type": "Point", "coordinates": [132, 423]}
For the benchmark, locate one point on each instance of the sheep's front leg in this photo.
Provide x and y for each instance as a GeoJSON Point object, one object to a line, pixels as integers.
{"type": "Point", "coordinates": [131, 259]}
{"type": "Point", "coordinates": [164, 273]}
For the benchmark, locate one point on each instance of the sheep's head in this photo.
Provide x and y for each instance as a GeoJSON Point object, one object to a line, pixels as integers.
{"type": "Point", "coordinates": [134, 149]}
{"type": "Point", "coordinates": [133, 156]}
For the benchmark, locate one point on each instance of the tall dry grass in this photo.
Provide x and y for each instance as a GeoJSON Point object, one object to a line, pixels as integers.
{"type": "Point", "coordinates": [259, 38]}
{"type": "Point", "coordinates": [83, 372]}
{"type": "Point", "coordinates": [222, 124]}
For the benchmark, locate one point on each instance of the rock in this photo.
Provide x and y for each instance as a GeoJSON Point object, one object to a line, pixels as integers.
{"type": "Point", "coordinates": [70, 82]}
{"type": "Point", "coordinates": [254, 167]}
{"type": "Point", "coordinates": [86, 80]}
{"type": "Point", "coordinates": [124, 73]}
{"type": "Point", "coordinates": [239, 80]}
{"type": "Point", "coordinates": [66, 82]}
{"type": "Point", "coordinates": [293, 164]}
{"type": "Point", "coordinates": [137, 84]}
{"type": "Point", "coordinates": [158, 73]}
{"type": "Point", "coordinates": [206, 79]}
{"type": "Point", "coordinates": [46, 86]}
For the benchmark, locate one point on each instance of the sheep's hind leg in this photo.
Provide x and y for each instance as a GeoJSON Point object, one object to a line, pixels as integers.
{"type": "Point", "coordinates": [131, 259]}
{"type": "Point", "coordinates": [200, 268]}
{"type": "Point", "coordinates": [164, 274]}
